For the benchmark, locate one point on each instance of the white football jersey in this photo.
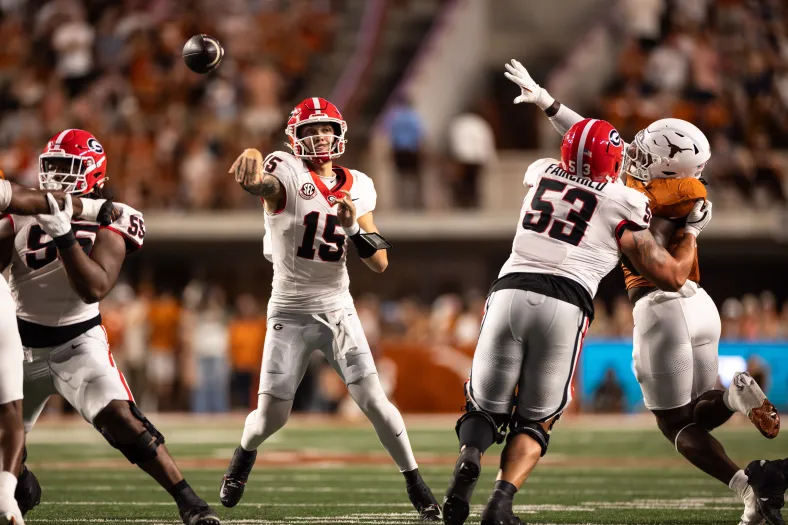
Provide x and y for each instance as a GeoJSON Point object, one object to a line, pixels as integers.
{"type": "Point", "coordinates": [569, 225]}
{"type": "Point", "coordinates": [304, 240]}
{"type": "Point", "coordinates": [38, 279]}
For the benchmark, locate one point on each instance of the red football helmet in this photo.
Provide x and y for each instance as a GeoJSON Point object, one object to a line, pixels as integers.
{"type": "Point", "coordinates": [592, 148]}
{"type": "Point", "coordinates": [74, 162]}
{"type": "Point", "coordinates": [313, 111]}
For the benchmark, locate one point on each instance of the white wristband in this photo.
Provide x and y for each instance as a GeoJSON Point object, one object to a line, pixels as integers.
{"type": "Point", "coordinates": [90, 209]}
{"type": "Point", "coordinates": [353, 229]}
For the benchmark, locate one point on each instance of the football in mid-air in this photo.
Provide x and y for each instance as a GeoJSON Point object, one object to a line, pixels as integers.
{"type": "Point", "coordinates": [202, 53]}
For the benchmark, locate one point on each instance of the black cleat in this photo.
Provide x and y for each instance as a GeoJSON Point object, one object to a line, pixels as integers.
{"type": "Point", "coordinates": [200, 515]}
{"type": "Point", "coordinates": [769, 484]}
{"type": "Point", "coordinates": [422, 499]}
{"type": "Point", "coordinates": [457, 502]}
{"type": "Point", "coordinates": [234, 481]}
{"type": "Point", "coordinates": [498, 511]}
{"type": "Point", "coordinates": [28, 491]}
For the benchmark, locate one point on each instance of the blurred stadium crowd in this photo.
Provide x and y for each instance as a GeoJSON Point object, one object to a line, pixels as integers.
{"type": "Point", "coordinates": [114, 68]}
{"type": "Point", "coordinates": [199, 350]}
{"type": "Point", "coordinates": [722, 65]}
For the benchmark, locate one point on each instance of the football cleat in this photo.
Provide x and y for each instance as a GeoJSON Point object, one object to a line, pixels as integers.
{"type": "Point", "coordinates": [200, 515]}
{"type": "Point", "coordinates": [28, 491]}
{"type": "Point", "coordinates": [234, 481]}
{"type": "Point", "coordinates": [424, 502]}
{"type": "Point", "coordinates": [499, 512]}
{"type": "Point", "coordinates": [456, 503]}
{"type": "Point", "coordinates": [769, 484]}
{"type": "Point", "coordinates": [746, 396]}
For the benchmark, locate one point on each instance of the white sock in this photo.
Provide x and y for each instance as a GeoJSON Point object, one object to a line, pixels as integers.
{"type": "Point", "coordinates": [387, 420]}
{"type": "Point", "coordinates": [7, 485]}
{"type": "Point", "coordinates": [739, 483]}
{"type": "Point", "coordinates": [271, 415]}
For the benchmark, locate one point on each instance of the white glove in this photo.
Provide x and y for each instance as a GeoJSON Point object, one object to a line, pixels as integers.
{"type": "Point", "coordinates": [698, 218]}
{"type": "Point", "coordinates": [59, 222]}
{"type": "Point", "coordinates": [530, 91]}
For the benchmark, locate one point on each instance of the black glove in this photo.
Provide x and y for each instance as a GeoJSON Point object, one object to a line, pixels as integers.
{"type": "Point", "coordinates": [108, 213]}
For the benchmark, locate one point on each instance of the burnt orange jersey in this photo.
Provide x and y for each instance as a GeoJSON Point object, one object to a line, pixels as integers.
{"type": "Point", "coordinates": [669, 199]}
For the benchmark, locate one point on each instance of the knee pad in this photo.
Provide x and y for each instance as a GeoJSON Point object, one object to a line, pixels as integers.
{"type": "Point", "coordinates": [534, 429]}
{"type": "Point", "coordinates": [497, 422]}
{"type": "Point", "coordinates": [145, 445]}
{"type": "Point", "coordinates": [28, 491]}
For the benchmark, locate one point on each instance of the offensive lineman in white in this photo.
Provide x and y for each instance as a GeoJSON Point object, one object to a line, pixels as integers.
{"type": "Point", "coordinates": [676, 335]}
{"type": "Point", "coordinates": [61, 268]}
{"type": "Point", "coordinates": [311, 208]}
{"type": "Point", "coordinates": [575, 224]}
{"type": "Point", "coordinates": [22, 201]}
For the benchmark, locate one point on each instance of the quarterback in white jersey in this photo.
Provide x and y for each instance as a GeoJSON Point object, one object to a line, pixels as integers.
{"type": "Point", "coordinates": [60, 269]}
{"type": "Point", "coordinates": [312, 209]}
{"type": "Point", "coordinates": [676, 335]}
{"type": "Point", "coordinates": [576, 222]}
{"type": "Point", "coordinates": [23, 202]}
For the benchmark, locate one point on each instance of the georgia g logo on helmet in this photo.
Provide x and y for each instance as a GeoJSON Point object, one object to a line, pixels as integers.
{"type": "Point", "coordinates": [614, 138]}
{"type": "Point", "coordinates": [94, 145]}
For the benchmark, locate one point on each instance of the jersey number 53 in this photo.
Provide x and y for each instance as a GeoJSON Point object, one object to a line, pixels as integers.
{"type": "Point", "coordinates": [540, 217]}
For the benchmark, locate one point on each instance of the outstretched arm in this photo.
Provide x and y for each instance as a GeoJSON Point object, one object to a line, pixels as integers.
{"type": "Point", "coordinates": [249, 173]}
{"type": "Point", "coordinates": [24, 201]}
{"type": "Point", "coordinates": [561, 117]}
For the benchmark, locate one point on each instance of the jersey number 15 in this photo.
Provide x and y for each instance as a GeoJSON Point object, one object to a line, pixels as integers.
{"type": "Point", "coordinates": [325, 251]}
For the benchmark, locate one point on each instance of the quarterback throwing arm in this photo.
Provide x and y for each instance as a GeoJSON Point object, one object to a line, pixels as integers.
{"type": "Point", "coordinates": [269, 179]}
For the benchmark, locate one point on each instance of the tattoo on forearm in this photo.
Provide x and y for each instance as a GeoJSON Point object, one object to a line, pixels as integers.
{"type": "Point", "coordinates": [650, 252]}
{"type": "Point", "coordinates": [267, 187]}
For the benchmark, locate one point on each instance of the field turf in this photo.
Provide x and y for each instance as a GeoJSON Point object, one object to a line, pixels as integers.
{"type": "Point", "coordinates": [600, 470]}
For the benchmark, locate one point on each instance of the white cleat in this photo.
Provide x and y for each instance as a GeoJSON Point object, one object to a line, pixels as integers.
{"type": "Point", "coordinates": [745, 396]}
{"type": "Point", "coordinates": [751, 516]}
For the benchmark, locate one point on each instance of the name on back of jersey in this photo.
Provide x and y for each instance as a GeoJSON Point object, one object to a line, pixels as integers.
{"type": "Point", "coordinates": [556, 169]}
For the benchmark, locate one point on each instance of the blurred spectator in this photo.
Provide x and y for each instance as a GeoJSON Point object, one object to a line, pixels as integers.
{"type": "Point", "coordinates": [406, 132]}
{"type": "Point", "coordinates": [472, 148]}
{"type": "Point", "coordinates": [642, 20]}
{"type": "Point", "coordinates": [208, 343]}
{"type": "Point", "coordinates": [731, 315]}
{"type": "Point", "coordinates": [769, 172]}
{"type": "Point", "coordinates": [164, 316]}
{"type": "Point", "coordinates": [247, 336]}
{"type": "Point", "coordinates": [622, 316]}
{"type": "Point", "coordinates": [73, 42]}
{"type": "Point", "coordinates": [750, 321]}
{"type": "Point", "coordinates": [609, 395]}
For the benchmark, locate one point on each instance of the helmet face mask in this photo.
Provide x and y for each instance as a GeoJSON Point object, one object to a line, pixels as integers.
{"type": "Point", "coordinates": [73, 162]}
{"type": "Point", "coordinates": [316, 112]}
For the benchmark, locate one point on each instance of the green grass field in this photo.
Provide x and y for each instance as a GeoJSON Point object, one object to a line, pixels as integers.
{"type": "Point", "coordinates": [598, 470]}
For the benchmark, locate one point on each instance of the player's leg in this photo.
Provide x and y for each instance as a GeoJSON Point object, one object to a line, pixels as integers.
{"type": "Point", "coordinates": [288, 345]}
{"type": "Point", "coordinates": [489, 391]}
{"type": "Point", "coordinates": [38, 387]}
{"type": "Point", "coordinates": [84, 373]}
{"type": "Point", "coordinates": [552, 332]}
{"type": "Point", "coordinates": [675, 355]}
{"type": "Point", "coordinates": [12, 432]}
{"type": "Point", "coordinates": [357, 369]}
